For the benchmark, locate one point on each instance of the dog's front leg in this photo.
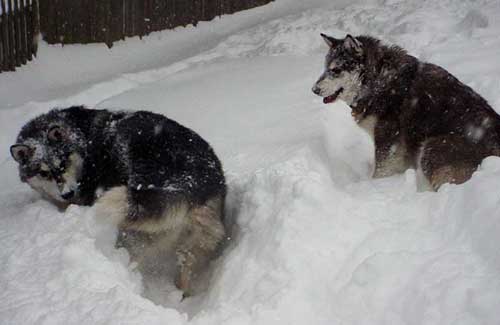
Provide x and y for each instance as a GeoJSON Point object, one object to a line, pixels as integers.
{"type": "Point", "coordinates": [390, 150]}
{"type": "Point", "coordinates": [384, 162]}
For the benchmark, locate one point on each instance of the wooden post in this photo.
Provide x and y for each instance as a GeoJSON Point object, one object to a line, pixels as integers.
{"type": "Point", "coordinates": [24, 32]}
{"type": "Point", "coordinates": [122, 19]}
{"type": "Point", "coordinates": [82, 28]}
{"type": "Point", "coordinates": [115, 20]}
{"type": "Point", "coordinates": [130, 18]}
{"type": "Point", "coordinates": [140, 17]}
{"type": "Point", "coordinates": [66, 13]}
{"type": "Point", "coordinates": [2, 60]}
{"type": "Point", "coordinates": [134, 14]}
{"type": "Point", "coordinates": [17, 33]}
{"type": "Point", "coordinates": [88, 19]}
{"type": "Point", "coordinates": [28, 15]}
{"type": "Point", "coordinates": [148, 9]}
{"type": "Point", "coordinates": [125, 17]}
{"type": "Point", "coordinates": [12, 40]}
{"type": "Point", "coordinates": [36, 26]}
{"type": "Point", "coordinates": [168, 12]}
{"type": "Point", "coordinates": [107, 15]}
{"type": "Point", "coordinates": [49, 29]}
{"type": "Point", "coordinates": [5, 38]}
{"type": "Point", "coordinates": [44, 19]}
{"type": "Point", "coordinates": [62, 17]}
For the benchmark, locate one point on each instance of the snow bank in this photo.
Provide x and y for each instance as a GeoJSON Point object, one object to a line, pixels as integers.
{"type": "Point", "coordinates": [304, 250]}
{"type": "Point", "coordinates": [314, 240]}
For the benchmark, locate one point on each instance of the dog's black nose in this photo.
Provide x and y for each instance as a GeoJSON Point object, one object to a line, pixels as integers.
{"type": "Point", "coordinates": [316, 90]}
{"type": "Point", "coordinates": [68, 195]}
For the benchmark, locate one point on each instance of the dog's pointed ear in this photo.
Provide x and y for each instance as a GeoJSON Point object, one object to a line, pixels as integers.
{"type": "Point", "coordinates": [330, 41]}
{"type": "Point", "coordinates": [56, 134]}
{"type": "Point", "coordinates": [352, 44]}
{"type": "Point", "coordinates": [21, 153]}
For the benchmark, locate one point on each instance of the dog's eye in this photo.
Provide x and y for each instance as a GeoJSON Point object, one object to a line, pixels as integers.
{"type": "Point", "coordinates": [44, 174]}
{"type": "Point", "coordinates": [336, 70]}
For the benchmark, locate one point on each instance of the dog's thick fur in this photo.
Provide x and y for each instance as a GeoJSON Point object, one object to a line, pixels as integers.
{"type": "Point", "coordinates": [160, 182]}
{"type": "Point", "coordinates": [420, 116]}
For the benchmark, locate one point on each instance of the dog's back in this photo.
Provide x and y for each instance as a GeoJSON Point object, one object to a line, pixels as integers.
{"type": "Point", "coordinates": [442, 105]}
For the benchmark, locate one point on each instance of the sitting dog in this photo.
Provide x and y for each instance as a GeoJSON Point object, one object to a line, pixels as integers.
{"type": "Point", "coordinates": [159, 181]}
{"type": "Point", "coordinates": [418, 114]}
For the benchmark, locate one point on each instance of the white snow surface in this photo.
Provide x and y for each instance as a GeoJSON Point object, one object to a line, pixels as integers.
{"type": "Point", "coordinates": [315, 240]}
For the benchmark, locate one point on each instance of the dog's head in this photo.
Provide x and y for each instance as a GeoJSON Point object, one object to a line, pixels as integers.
{"type": "Point", "coordinates": [343, 69]}
{"type": "Point", "coordinates": [50, 157]}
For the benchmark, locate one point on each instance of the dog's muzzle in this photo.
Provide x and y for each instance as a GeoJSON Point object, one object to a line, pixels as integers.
{"type": "Point", "coordinates": [68, 195]}
{"type": "Point", "coordinates": [316, 90]}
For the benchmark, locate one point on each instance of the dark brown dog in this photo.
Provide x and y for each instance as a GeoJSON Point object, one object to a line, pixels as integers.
{"type": "Point", "coordinates": [419, 115]}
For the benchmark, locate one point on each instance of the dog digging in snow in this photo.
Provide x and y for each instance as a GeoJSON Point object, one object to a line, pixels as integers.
{"type": "Point", "coordinates": [418, 114]}
{"type": "Point", "coordinates": [159, 181]}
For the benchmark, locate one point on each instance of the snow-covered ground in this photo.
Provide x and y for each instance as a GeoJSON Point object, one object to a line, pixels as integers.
{"type": "Point", "coordinates": [315, 240]}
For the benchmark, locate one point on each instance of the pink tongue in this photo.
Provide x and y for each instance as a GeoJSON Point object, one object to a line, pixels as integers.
{"type": "Point", "coordinates": [328, 99]}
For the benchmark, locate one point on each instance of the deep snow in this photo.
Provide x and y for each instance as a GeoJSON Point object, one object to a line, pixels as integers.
{"type": "Point", "coordinates": [315, 240]}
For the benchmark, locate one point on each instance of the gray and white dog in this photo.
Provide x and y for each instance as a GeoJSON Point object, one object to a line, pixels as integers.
{"type": "Point", "coordinates": [160, 182]}
{"type": "Point", "coordinates": [418, 114]}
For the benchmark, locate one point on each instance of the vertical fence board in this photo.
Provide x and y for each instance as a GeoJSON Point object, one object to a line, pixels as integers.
{"type": "Point", "coordinates": [93, 20]}
{"type": "Point", "coordinates": [115, 20]}
{"type": "Point", "coordinates": [23, 36]}
{"type": "Point", "coordinates": [131, 18]}
{"type": "Point", "coordinates": [129, 27]}
{"type": "Point", "coordinates": [140, 18]}
{"type": "Point", "coordinates": [126, 15]}
{"type": "Point", "coordinates": [148, 10]}
{"type": "Point", "coordinates": [29, 29]}
{"type": "Point", "coordinates": [52, 22]}
{"type": "Point", "coordinates": [107, 22]}
{"type": "Point", "coordinates": [12, 37]}
{"type": "Point", "coordinates": [5, 38]}
{"type": "Point", "coordinates": [44, 19]}
{"type": "Point", "coordinates": [17, 36]}
{"type": "Point", "coordinates": [2, 60]}
{"type": "Point", "coordinates": [35, 26]}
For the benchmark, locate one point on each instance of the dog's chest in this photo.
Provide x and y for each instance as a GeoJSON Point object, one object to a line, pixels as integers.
{"type": "Point", "coordinates": [368, 124]}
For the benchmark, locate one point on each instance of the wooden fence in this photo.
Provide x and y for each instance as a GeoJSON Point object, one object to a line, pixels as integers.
{"type": "Point", "coordinates": [18, 32]}
{"type": "Point", "coordinates": [89, 21]}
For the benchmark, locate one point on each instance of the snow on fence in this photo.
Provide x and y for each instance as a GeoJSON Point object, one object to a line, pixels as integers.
{"type": "Point", "coordinates": [89, 21]}
{"type": "Point", "coordinates": [18, 32]}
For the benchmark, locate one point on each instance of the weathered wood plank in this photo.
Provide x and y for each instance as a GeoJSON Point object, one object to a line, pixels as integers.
{"type": "Point", "coordinates": [5, 38]}
{"type": "Point", "coordinates": [2, 59]}
{"type": "Point", "coordinates": [35, 26]}
{"type": "Point", "coordinates": [29, 29]}
{"type": "Point", "coordinates": [23, 30]}
{"type": "Point", "coordinates": [12, 36]}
